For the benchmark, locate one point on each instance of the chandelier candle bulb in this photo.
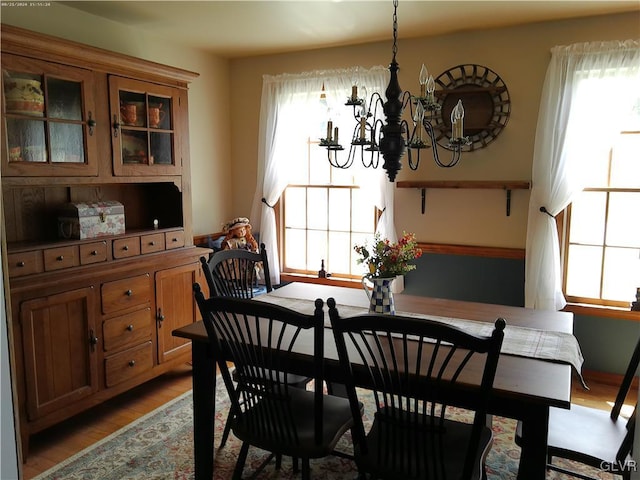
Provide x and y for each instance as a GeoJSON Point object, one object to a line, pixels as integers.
{"type": "Point", "coordinates": [431, 87]}
{"type": "Point", "coordinates": [363, 127]}
{"type": "Point", "coordinates": [457, 119]}
{"type": "Point", "coordinates": [335, 134]}
{"type": "Point", "coordinates": [329, 128]}
{"type": "Point", "coordinates": [423, 79]}
{"type": "Point", "coordinates": [354, 93]}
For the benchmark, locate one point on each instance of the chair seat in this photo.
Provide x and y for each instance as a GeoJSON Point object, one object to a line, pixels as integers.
{"type": "Point", "coordinates": [337, 420]}
{"type": "Point", "coordinates": [585, 434]}
{"type": "Point", "coordinates": [387, 439]}
{"type": "Point", "coordinates": [289, 378]}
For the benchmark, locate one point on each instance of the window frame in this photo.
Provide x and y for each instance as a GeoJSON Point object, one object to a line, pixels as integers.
{"type": "Point", "coordinates": [281, 220]}
{"type": "Point", "coordinates": [563, 224]}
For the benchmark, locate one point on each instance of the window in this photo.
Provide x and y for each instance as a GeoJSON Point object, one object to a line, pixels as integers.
{"type": "Point", "coordinates": [602, 248]}
{"type": "Point", "coordinates": [324, 213]}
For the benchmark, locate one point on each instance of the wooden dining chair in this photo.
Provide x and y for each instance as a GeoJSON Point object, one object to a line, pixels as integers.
{"type": "Point", "coordinates": [234, 272]}
{"type": "Point", "coordinates": [418, 369]}
{"type": "Point", "coordinates": [599, 438]}
{"type": "Point", "coordinates": [261, 340]}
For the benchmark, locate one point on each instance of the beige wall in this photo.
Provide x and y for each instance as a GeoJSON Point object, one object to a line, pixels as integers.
{"type": "Point", "coordinates": [225, 101]}
{"type": "Point", "coordinates": [518, 55]}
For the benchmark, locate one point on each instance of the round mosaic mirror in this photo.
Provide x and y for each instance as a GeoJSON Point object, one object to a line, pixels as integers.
{"type": "Point", "coordinates": [485, 99]}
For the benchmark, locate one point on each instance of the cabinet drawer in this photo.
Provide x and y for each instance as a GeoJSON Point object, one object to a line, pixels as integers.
{"type": "Point", "coordinates": [127, 330]}
{"type": "Point", "coordinates": [125, 365]}
{"type": "Point", "coordinates": [126, 247]}
{"type": "Point", "coordinates": [126, 293]}
{"type": "Point", "coordinates": [93, 253]}
{"type": "Point", "coordinates": [152, 243]}
{"type": "Point", "coordinates": [61, 257]}
{"type": "Point", "coordinates": [174, 239]}
{"type": "Point", "coordinates": [25, 263]}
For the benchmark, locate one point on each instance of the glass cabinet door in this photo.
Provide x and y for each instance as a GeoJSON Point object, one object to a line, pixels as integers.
{"type": "Point", "coordinates": [49, 118]}
{"type": "Point", "coordinates": [144, 134]}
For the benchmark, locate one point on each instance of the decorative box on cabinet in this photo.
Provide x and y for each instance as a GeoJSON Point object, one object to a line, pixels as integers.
{"type": "Point", "coordinates": [104, 308]}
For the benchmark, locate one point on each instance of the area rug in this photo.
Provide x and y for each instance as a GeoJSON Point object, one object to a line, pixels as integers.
{"type": "Point", "coordinates": [159, 446]}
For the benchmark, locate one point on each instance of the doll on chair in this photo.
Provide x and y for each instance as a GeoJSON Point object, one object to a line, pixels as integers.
{"type": "Point", "coordinates": [238, 235]}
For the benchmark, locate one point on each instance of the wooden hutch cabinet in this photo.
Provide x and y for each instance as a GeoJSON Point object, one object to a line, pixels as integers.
{"type": "Point", "coordinates": [92, 316]}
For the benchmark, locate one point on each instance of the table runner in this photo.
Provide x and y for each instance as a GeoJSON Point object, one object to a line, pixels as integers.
{"type": "Point", "coordinates": [519, 341]}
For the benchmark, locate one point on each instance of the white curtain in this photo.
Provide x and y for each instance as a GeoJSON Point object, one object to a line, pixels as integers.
{"type": "Point", "coordinates": [588, 89]}
{"type": "Point", "coordinates": [286, 99]}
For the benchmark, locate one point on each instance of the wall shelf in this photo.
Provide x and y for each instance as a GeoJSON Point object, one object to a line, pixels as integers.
{"type": "Point", "coordinates": [506, 185]}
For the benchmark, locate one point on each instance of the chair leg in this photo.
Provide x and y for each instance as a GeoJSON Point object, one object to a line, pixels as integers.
{"type": "Point", "coordinates": [242, 458]}
{"type": "Point", "coordinates": [227, 430]}
{"type": "Point", "coordinates": [306, 469]}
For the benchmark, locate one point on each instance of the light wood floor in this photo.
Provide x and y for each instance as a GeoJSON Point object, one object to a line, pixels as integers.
{"type": "Point", "coordinates": [54, 445]}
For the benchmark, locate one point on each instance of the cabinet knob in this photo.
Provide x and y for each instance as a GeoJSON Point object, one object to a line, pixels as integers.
{"type": "Point", "coordinates": [116, 125]}
{"type": "Point", "coordinates": [132, 363]}
{"type": "Point", "coordinates": [94, 252]}
{"type": "Point", "coordinates": [129, 293]}
{"type": "Point", "coordinates": [130, 328]}
{"type": "Point", "coordinates": [60, 258]}
{"type": "Point", "coordinates": [152, 243]}
{"type": "Point", "coordinates": [93, 340]}
{"type": "Point", "coordinates": [91, 123]}
{"type": "Point", "coordinates": [125, 248]}
{"type": "Point", "coordinates": [174, 239]}
{"type": "Point", "coordinates": [20, 264]}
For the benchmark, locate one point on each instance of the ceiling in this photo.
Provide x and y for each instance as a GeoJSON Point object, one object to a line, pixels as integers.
{"type": "Point", "coordinates": [242, 28]}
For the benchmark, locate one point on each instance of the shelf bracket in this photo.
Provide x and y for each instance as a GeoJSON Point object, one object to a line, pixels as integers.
{"type": "Point", "coordinates": [424, 199]}
{"type": "Point", "coordinates": [508, 202]}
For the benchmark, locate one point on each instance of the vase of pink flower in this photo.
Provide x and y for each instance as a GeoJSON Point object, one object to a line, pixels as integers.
{"type": "Point", "coordinates": [385, 261]}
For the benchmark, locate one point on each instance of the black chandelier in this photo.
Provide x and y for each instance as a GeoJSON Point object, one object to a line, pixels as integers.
{"type": "Point", "coordinates": [371, 136]}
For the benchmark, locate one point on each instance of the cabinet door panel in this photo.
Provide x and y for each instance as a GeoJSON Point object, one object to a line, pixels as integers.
{"type": "Point", "coordinates": [59, 349]}
{"type": "Point", "coordinates": [49, 113]}
{"type": "Point", "coordinates": [175, 308]}
{"type": "Point", "coordinates": [144, 135]}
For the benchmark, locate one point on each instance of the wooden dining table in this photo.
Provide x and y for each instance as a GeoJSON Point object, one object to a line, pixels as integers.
{"type": "Point", "coordinates": [524, 387]}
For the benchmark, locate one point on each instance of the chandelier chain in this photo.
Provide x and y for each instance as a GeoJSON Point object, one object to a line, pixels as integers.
{"type": "Point", "coordinates": [395, 28]}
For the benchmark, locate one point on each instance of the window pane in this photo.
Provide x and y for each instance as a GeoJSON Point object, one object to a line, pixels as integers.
{"type": "Point", "coordinates": [342, 176]}
{"type": "Point", "coordinates": [339, 209]}
{"type": "Point", "coordinates": [295, 207]}
{"type": "Point", "coordinates": [621, 274]}
{"type": "Point", "coordinates": [319, 167]}
{"type": "Point", "coordinates": [583, 273]}
{"type": "Point", "coordinates": [596, 172]}
{"type": "Point", "coordinates": [316, 249]}
{"type": "Point", "coordinates": [622, 228]}
{"type": "Point", "coordinates": [299, 170]}
{"type": "Point", "coordinates": [317, 208]}
{"type": "Point", "coordinates": [339, 254]}
{"type": "Point", "coordinates": [363, 212]}
{"type": "Point", "coordinates": [625, 167]}
{"type": "Point", "coordinates": [588, 218]}
{"type": "Point", "coordinates": [296, 248]}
